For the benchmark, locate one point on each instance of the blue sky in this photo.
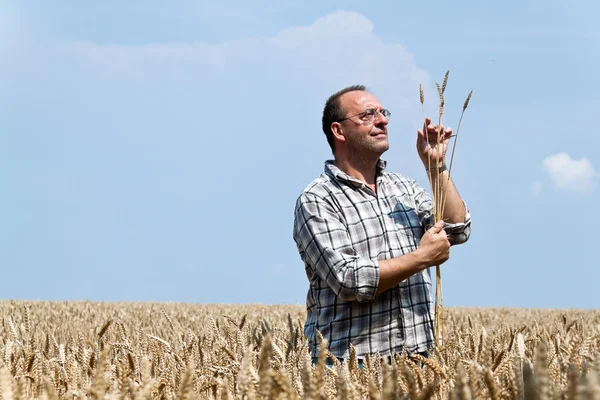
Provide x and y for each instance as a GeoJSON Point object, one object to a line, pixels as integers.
{"type": "Point", "coordinates": [153, 151]}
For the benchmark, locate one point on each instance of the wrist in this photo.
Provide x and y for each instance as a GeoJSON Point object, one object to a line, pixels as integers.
{"type": "Point", "coordinates": [439, 168]}
{"type": "Point", "coordinates": [419, 259]}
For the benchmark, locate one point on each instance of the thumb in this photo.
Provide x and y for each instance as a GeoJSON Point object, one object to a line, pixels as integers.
{"type": "Point", "coordinates": [426, 124]}
{"type": "Point", "coordinates": [437, 228]}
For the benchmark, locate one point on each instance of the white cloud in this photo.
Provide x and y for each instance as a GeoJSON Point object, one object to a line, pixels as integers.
{"type": "Point", "coordinates": [336, 50]}
{"type": "Point", "coordinates": [571, 175]}
{"type": "Point", "coordinates": [275, 83]}
{"type": "Point", "coordinates": [536, 188]}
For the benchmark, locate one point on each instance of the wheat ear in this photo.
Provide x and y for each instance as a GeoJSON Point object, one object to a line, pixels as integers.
{"type": "Point", "coordinates": [465, 105]}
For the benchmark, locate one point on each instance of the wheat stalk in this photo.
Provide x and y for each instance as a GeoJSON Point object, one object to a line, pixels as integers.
{"type": "Point", "coordinates": [440, 193]}
{"type": "Point", "coordinates": [481, 357]}
{"type": "Point", "coordinates": [422, 99]}
{"type": "Point", "coordinates": [465, 105]}
{"type": "Point", "coordinates": [438, 215]}
{"type": "Point", "coordinates": [436, 191]}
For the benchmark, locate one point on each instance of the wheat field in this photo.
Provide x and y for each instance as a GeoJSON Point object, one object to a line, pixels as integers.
{"type": "Point", "coordinates": [77, 350]}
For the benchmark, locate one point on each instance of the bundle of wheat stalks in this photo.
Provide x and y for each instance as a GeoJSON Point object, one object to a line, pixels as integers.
{"type": "Point", "coordinates": [439, 190]}
{"type": "Point", "coordinates": [172, 351]}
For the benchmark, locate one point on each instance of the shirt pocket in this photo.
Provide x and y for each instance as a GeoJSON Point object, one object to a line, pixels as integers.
{"type": "Point", "coordinates": [407, 222]}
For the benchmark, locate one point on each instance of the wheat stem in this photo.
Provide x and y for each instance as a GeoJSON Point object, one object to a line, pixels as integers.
{"type": "Point", "coordinates": [465, 105]}
{"type": "Point", "coordinates": [422, 99]}
{"type": "Point", "coordinates": [439, 215]}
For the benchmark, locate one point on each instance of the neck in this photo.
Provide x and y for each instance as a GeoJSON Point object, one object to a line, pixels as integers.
{"type": "Point", "coordinates": [361, 168]}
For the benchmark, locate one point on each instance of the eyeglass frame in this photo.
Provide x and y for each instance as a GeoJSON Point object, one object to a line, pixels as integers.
{"type": "Point", "coordinates": [383, 112]}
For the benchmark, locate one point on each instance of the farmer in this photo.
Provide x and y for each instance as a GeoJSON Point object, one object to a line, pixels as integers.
{"type": "Point", "coordinates": [366, 238]}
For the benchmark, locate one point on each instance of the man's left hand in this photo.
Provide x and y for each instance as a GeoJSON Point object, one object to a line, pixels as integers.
{"type": "Point", "coordinates": [432, 146]}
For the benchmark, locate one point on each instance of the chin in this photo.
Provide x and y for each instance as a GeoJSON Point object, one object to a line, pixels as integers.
{"type": "Point", "coordinates": [384, 148]}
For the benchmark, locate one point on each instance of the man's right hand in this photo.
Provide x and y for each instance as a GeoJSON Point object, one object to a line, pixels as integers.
{"type": "Point", "coordinates": [434, 249]}
{"type": "Point", "coordinates": [434, 246]}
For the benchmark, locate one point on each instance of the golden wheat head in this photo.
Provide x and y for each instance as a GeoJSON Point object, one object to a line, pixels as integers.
{"type": "Point", "coordinates": [445, 81]}
{"type": "Point", "coordinates": [467, 100]}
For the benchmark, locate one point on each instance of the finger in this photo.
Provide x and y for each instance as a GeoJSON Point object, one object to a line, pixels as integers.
{"type": "Point", "coordinates": [432, 136]}
{"type": "Point", "coordinates": [437, 132]}
{"type": "Point", "coordinates": [443, 233]}
{"type": "Point", "coordinates": [435, 229]}
{"type": "Point", "coordinates": [426, 123]}
{"type": "Point", "coordinates": [432, 129]}
{"type": "Point", "coordinates": [447, 133]}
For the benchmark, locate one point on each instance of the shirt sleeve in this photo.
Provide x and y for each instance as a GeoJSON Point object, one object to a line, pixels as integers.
{"type": "Point", "coordinates": [458, 233]}
{"type": "Point", "coordinates": [325, 246]}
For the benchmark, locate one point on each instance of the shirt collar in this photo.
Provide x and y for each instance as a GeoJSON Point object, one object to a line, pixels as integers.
{"type": "Point", "coordinates": [333, 170]}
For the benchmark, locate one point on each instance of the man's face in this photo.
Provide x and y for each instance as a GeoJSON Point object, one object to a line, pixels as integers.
{"type": "Point", "coordinates": [361, 135]}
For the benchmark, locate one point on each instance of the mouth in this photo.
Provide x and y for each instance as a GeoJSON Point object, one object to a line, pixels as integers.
{"type": "Point", "coordinates": [379, 134]}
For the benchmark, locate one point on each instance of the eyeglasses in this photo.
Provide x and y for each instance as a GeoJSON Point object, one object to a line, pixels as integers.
{"type": "Point", "coordinates": [368, 116]}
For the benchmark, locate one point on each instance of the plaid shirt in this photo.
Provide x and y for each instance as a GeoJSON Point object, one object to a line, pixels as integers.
{"type": "Point", "coordinates": [342, 228]}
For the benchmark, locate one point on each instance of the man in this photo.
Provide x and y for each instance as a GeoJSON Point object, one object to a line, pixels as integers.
{"type": "Point", "coordinates": [366, 239]}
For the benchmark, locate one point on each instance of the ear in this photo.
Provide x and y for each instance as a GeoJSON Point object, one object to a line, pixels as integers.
{"type": "Point", "coordinates": [338, 131]}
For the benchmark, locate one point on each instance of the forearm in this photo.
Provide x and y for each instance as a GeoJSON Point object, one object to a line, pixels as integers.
{"type": "Point", "coordinates": [396, 270]}
{"type": "Point", "coordinates": [452, 205]}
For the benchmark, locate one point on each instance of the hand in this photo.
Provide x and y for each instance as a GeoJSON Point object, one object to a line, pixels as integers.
{"type": "Point", "coordinates": [434, 245]}
{"type": "Point", "coordinates": [432, 149]}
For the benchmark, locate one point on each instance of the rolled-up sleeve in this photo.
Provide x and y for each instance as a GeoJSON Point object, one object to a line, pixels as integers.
{"type": "Point", "coordinates": [458, 233]}
{"type": "Point", "coordinates": [325, 246]}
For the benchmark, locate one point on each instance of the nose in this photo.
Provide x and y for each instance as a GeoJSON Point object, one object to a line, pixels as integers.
{"type": "Point", "coordinates": [380, 119]}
